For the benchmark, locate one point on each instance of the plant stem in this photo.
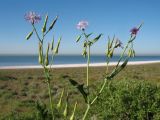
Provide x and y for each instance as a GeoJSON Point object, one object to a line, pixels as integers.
{"type": "Point", "coordinates": [88, 62]}
{"type": "Point", "coordinates": [105, 81]}
{"type": "Point", "coordinates": [123, 52]}
{"type": "Point", "coordinates": [49, 90]}
{"type": "Point", "coordinates": [86, 112]}
{"type": "Point", "coordinates": [36, 33]}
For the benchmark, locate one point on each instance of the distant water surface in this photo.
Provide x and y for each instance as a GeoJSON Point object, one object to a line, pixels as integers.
{"type": "Point", "coordinates": [21, 60]}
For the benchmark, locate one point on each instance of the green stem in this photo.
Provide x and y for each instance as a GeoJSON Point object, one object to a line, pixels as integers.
{"type": "Point", "coordinates": [123, 52]}
{"type": "Point", "coordinates": [86, 112]}
{"type": "Point", "coordinates": [99, 93]}
{"type": "Point", "coordinates": [49, 90]}
{"type": "Point", "coordinates": [36, 33]}
{"type": "Point", "coordinates": [88, 62]}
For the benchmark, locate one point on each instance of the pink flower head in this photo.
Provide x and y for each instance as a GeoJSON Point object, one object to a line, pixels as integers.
{"type": "Point", "coordinates": [32, 17]}
{"type": "Point", "coordinates": [82, 25]}
{"type": "Point", "coordinates": [134, 31]}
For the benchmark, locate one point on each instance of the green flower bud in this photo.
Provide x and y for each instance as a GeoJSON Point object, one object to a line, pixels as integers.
{"type": "Point", "coordinates": [66, 107]}
{"type": "Point", "coordinates": [72, 116]}
{"type": "Point", "coordinates": [47, 58]}
{"type": "Point", "coordinates": [52, 45]}
{"type": "Point", "coordinates": [40, 57]}
{"type": "Point", "coordinates": [84, 53]}
{"type": "Point", "coordinates": [29, 35]}
{"type": "Point", "coordinates": [45, 23]}
{"type": "Point", "coordinates": [60, 100]}
{"type": "Point", "coordinates": [57, 47]}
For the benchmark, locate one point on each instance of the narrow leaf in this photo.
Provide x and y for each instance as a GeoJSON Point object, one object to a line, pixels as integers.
{"type": "Point", "coordinates": [89, 35]}
{"type": "Point", "coordinates": [78, 38]}
{"type": "Point", "coordinates": [53, 23]}
{"type": "Point", "coordinates": [80, 88]}
{"type": "Point", "coordinates": [116, 71]}
{"type": "Point", "coordinates": [96, 39]}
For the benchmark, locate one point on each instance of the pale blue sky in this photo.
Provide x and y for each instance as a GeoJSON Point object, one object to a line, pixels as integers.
{"type": "Point", "coordinates": [104, 16]}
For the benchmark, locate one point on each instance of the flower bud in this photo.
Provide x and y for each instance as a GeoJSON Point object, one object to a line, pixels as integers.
{"type": "Point", "coordinates": [29, 35]}
{"type": "Point", "coordinates": [52, 45]}
{"type": "Point", "coordinates": [72, 116]}
{"type": "Point", "coordinates": [47, 58]}
{"type": "Point", "coordinates": [45, 23]}
{"type": "Point", "coordinates": [66, 107]}
{"type": "Point", "coordinates": [57, 47]}
{"type": "Point", "coordinates": [60, 100]}
{"type": "Point", "coordinates": [40, 57]}
{"type": "Point", "coordinates": [84, 53]}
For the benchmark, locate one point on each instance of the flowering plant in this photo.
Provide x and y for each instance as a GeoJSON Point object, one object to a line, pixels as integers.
{"type": "Point", "coordinates": [84, 89]}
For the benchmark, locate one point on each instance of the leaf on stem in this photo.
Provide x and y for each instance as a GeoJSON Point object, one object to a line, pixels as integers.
{"type": "Point", "coordinates": [80, 88]}
{"type": "Point", "coordinates": [53, 23]}
{"type": "Point", "coordinates": [89, 35]}
{"type": "Point", "coordinates": [117, 70]}
{"type": "Point", "coordinates": [78, 38]}
{"type": "Point", "coordinates": [95, 39]}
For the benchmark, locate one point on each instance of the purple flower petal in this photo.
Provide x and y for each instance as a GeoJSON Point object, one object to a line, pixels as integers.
{"type": "Point", "coordinates": [32, 17]}
{"type": "Point", "coordinates": [134, 31]}
{"type": "Point", "coordinates": [82, 25]}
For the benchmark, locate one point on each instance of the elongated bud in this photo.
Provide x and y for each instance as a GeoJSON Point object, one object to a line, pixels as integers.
{"type": "Point", "coordinates": [111, 43]}
{"type": "Point", "coordinates": [52, 45]}
{"type": "Point", "coordinates": [40, 57]}
{"type": "Point", "coordinates": [78, 38]}
{"type": "Point", "coordinates": [110, 53]}
{"type": "Point", "coordinates": [134, 53]}
{"type": "Point", "coordinates": [129, 53]}
{"type": "Point", "coordinates": [47, 58]}
{"type": "Point", "coordinates": [53, 23]}
{"type": "Point", "coordinates": [60, 100]}
{"type": "Point", "coordinates": [84, 53]}
{"type": "Point", "coordinates": [57, 47]}
{"type": "Point", "coordinates": [66, 107]}
{"type": "Point", "coordinates": [29, 35]}
{"type": "Point", "coordinates": [45, 23]}
{"type": "Point", "coordinates": [72, 116]}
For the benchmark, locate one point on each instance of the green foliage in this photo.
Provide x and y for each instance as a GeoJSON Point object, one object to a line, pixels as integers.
{"type": "Point", "coordinates": [129, 100]}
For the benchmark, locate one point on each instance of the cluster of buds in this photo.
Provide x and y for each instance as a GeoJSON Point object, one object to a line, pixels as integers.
{"type": "Point", "coordinates": [112, 44]}
{"type": "Point", "coordinates": [82, 25]}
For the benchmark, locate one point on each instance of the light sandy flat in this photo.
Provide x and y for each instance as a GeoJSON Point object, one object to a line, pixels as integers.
{"type": "Point", "coordinates": [78, 65]}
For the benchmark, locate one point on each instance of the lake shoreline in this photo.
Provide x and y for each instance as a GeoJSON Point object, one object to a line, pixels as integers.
{"type": "Point", "coordinates": [78, 65]}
